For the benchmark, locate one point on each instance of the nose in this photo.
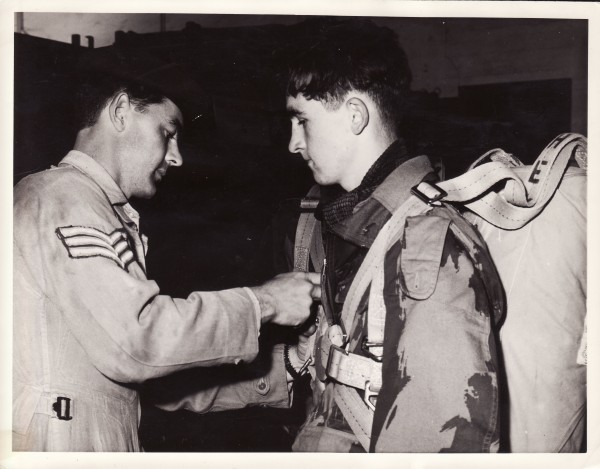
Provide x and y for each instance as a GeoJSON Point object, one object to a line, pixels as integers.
{"type": "Point", "coordinates": [296, 144]}
{"type": "Point", "coordinates": [174, 157]}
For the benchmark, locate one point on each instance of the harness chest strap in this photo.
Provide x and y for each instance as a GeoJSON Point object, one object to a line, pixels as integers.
{"type": "Point", "coordinates": [358, 411]}
{"type": "Point", "coordinates": [354, 370]}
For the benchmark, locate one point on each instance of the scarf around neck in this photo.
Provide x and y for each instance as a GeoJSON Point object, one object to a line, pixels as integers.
{"type": "Point", "coordinates": [336, 210]}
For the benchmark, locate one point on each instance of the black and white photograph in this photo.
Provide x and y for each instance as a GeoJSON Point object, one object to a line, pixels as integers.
{"type": "Point", "coordinates": [241, 233]}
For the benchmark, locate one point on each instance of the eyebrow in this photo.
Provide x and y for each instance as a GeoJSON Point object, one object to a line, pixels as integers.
{"type": "Point", "coordinates": [177, 124]}
{"type": "Point", "coordinates": [293, 112]}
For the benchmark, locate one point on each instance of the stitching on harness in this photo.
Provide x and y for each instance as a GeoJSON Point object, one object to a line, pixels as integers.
{"type": "Point", "coordinates": [349, 407]}
{"type": "Point", "coordinates": [477, 181]}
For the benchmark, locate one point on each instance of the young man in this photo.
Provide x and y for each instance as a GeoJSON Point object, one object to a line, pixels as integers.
{"type": "Point", "coordinates": [431, 385]}
{"type": "Point", "coordinates": [88, 323]}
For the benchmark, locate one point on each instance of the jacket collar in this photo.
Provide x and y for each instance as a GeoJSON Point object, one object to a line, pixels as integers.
{"type": "Point", "coordinates": [370, 215]}
{"type": "Point", "coordinates": [96, 172]}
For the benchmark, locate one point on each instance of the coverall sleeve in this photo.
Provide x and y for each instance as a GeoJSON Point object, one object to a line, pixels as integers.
{"type": "Point", "coordinates": [129, 330]}
{"type": "Point", "coordinates": [439, 391]}
{"type": "Point", "coordinates": [262, 382]}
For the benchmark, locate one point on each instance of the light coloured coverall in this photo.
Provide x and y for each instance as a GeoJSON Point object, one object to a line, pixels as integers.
{"type": "Point", "coordinates": [89, 325]}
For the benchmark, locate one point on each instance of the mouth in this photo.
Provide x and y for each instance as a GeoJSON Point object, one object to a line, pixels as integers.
{"type": "Point", "coordinates": [160, 174]}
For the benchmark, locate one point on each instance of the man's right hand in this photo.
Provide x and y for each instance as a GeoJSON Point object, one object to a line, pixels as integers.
{"type": "Point", "coordinates": [287, 298]}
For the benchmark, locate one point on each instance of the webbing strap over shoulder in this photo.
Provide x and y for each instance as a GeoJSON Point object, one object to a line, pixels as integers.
{"type": "Point", "coordinates": [525, 194]}
{"type": "Point", "coordinates": [308, 245]}
{"type": "Point", "coordinates": [370, 273]}
{"type": "Point", "coordinates": [372, 266]}
{"type": "Point", "coordinates": [304, 234]}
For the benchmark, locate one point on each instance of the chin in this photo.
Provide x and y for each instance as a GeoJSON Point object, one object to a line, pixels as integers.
{"type": "Point", "coordinates": [322, 181]}
{"type": "Point", "coordinates": [145, 194]}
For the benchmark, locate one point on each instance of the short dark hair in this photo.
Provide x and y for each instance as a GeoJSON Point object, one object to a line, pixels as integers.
{"type": "Point", "coordinates": [348, 55]}
{"type": "Point", "coordinates": [94, 92]}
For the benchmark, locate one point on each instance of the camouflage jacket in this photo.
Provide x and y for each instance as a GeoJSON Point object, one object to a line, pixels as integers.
{"type": "Point", "coordinates": [439, 364]}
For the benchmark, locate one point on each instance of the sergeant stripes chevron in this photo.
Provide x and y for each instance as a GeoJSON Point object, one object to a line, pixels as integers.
{"type": "Point", "coordinates": [84, 242]}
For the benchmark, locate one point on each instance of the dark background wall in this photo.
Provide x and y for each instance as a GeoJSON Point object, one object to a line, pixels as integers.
{"type": "Point", "coordinates": [478, 84]}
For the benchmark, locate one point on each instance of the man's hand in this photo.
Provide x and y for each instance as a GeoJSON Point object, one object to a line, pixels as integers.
{"type": "Point", "coordinates": [287, 298]}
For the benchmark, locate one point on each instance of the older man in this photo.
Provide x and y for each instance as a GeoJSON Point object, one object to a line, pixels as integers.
{"type": "Point", "coordinates": [88, 323]}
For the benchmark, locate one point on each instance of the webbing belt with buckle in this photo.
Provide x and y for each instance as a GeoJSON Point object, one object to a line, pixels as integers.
{"type": "Point", "coordinates": [355, 370]}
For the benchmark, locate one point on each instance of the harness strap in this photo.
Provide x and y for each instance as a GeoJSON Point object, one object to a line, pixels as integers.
{"type": "Point", "coordinates": [356, 413]}
{"type": "Point", "coordinates": [305, 236]}
{"type": "Point", "coordinates": [476, 248]}
{"type": "Point", "coordinates": [373, 264]}
{"type": "Point", "coordinates": [308, 246]}
{"type": "Point", "coordinates": [525, 194]}
{"type": "Point", "coordinates": [317, 251]}
{"type": "Point", "coordinates": [354, 370]}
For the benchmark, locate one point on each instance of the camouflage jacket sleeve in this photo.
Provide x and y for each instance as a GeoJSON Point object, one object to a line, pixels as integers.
{"type": "Point", "coordinates": [439, 390]}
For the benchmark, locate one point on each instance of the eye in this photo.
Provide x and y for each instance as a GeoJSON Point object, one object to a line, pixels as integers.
{"type": "Point", "coordinates": [171, 135]}
{"type": "Point", "coordinates": [298, 121]}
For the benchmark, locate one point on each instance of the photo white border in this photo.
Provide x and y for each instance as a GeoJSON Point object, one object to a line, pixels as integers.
{"type": "Point", "coordinates": [583, 10]}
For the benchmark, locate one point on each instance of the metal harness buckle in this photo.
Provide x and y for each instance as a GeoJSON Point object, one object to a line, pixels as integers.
{"type": "Point", "coordinates": [62, 407]}
{"type": "Point", "coordinates": [429, 199]}
{"type": "Point", "coordinates": [365, 348]}
{"type": "Point", "coordinates": [368, 395]}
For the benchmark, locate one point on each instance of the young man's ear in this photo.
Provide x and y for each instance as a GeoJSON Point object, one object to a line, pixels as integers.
{"type": "Point", "coordinates": [359, 114]}
{"type": "Point", "coordinates": [118, 108]}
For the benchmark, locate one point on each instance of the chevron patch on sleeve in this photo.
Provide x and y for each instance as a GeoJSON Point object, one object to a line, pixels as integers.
{"type": "Point", "coordinates": [83, 242]}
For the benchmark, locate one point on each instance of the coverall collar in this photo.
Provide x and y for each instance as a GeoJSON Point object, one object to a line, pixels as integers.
{"type": "Point", "coordinates": [87, 165]}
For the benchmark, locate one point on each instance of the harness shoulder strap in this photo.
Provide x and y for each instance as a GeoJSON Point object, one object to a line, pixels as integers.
{"type": "Point", "coordinates": [358, 415]}
{"type": "Point", "coordinates": [308, 245]}
{"type": "Point", "coordinates": [525, 194]}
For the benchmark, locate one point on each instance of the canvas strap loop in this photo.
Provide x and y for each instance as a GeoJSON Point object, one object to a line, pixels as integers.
{"type": "Point", "coordinates": [526, 192]}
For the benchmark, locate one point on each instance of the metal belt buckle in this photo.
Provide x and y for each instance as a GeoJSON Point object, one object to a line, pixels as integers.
{"type": "Point", "coordinates": [368, 395]}
{"type": "Point", "coordinates": [365, 348]}
{"type": "Point", "coordinates": [308, 204]}
{"type": "Point", "coordinates": [333, 361]}
{"type": "Point", "coordinates": [429, 199]}
{"type": "Point", "coordinates": [62, 407]}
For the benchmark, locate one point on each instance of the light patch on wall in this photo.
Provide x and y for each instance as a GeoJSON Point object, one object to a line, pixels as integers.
{"type": "Point", "coordinates": [102, 26]}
